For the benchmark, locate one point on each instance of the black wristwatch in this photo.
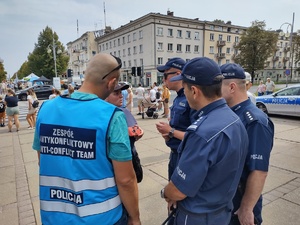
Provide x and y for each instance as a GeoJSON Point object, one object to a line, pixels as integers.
{"type": "Point", "coordinates": [162, 193]}
{"type": "Point", "coordinates": [171, 133]}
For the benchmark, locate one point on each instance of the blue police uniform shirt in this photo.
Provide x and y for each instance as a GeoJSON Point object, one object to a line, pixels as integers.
{"type": "Point", "coordinates": [211, 159]}
{"type": "Point", "coordinates": [260, 131]}
{"type": "Point", "coordinates": [181, 117]}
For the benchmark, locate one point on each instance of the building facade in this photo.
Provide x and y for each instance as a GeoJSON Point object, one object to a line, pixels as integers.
{"type": "Point", "coordinates": [80, 52]}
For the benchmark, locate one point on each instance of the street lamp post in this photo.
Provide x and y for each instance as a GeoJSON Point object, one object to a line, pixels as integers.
{"type": "Point", "coordinates": [54, 53]}
{"type": "Point", "coordinates": [290, 35]}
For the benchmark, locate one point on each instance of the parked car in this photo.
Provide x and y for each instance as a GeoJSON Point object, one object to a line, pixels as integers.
{"type": "Point", "coordinates": [283, 102]}
{"type": "Point", "coordinates": [41, 91]}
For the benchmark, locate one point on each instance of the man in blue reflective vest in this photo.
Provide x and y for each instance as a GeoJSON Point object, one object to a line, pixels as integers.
{"type": "Point", "coordinates": [212, 153]}
{"type": "Point", "coordinates": [260, 129]}
{"type": "Point", "coordinates": [86, 174]}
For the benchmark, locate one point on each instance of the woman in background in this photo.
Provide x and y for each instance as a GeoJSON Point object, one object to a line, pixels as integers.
{"type": "Point", "coordinates": [12, 109]}
{"type": "Point", "coordinates": [31, 115]}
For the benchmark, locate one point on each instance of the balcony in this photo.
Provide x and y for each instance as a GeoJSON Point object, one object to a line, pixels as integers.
{"type": "Point", "coordinates": [235, 44]}
{"type": "Point", "coordinates": [275, 58]}
{"type": "Point", "coordinates": [285, 59]}
{"type": "Point", "coordinates": [76, 51]}
{"type": "Point", "coordinates": [221, 43]}
{"type": "Point", "coordinates": [220, 55]}
{"type": "Point", "coordinates": [286, 49]}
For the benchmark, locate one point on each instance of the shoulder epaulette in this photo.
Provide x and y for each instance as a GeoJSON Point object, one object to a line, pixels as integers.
{"type": "Point", "coordinates": [250, 117]}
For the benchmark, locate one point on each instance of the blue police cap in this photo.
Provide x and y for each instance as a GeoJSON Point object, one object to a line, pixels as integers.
{"type": "Point", "coordinates": [177, 63]}
{"type": "Point", "coordinates": [200, 71]}
{"type": "Point", "coordinates": [232, 71]}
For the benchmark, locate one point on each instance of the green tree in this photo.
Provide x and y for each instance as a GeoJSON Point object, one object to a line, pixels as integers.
{"type": "Point", "coordinates": [255, 47]}
{"type": "Point", "coordinates": [2, 71]}
{"type": "Point", "coordinates": [41, 61]}
{"type": "Point", "coordinates": [24, 70]}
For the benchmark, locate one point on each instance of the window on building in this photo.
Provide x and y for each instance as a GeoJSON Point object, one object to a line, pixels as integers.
{"type": "Point", "coordinates": [124, 53]}
{"type": "Point", "coordinates": [115, 53]}
{"type": "Point", "coordinates": [128, 38]}
{"type": "Point", "coordinates": [134, 49]}
{"type": "Point", "coordinates": [170, 32]}
{"type": "Point", "coordinates": [134, 36]}
{"type": "Point", "coordinates": [220, 37]}
{"type": "Point", "coordinates": [106, 46]}
{"type": "Point", "coordinates": [129, 63]}
{"type": "Point", "coordinates": [179, 33]}
{"type": "Point", "coordinates": [211, 50]}
{"type": "Point", "coordinates": [129, 53]}
{"type": "Point", "coordinates": [220, 28]}
{"type": "Point", "coordinates": [114, 43]}
{"type": "Point", "coordinates": [227, 61]}
{"type": "Point", "coordinates": [197, 36]}
{"type": "Point", "coordinates": [228, 38]}
{"type": "Point", "coordinates": [160, 31]}
{"type": "Point", "coordinates": [123, 38]}
{"type": "Point", "coordinates": [196, 48]}
{"type": "Point", "coordinates": [119, 43]}
{"type": "Point", "coordinates": [141, 48]}
{"type": "Point", "coordinates": [211, 37]}
{"type": "Point", "coordinates": [134, 62]}
{"type": "Point", "coordinates": [228, 50]}
{"type": "Point", "coordinates": [170, 47]}
{"type": "Point", "coordinates": [188, 48]}
{"type": "Point", "coordinates": [159, 60]}
{"type": "Point", "coordinates": [124, 64]}
{"type": "Point", "coordinates": [211, 27]}
{"type": "Point", "coordinates": [110, 44]}
{"type": "Point", "coordinates": [119, 53]}
{"type": "Point", "coordinates": [159, 46]}
{"type": "Point", "coordinates": [188, 34]}
{"type": "Point", "coordinates": [179, 48]}
{"type": "Point", "coordinates": [141, 62]}
{"type": "Point", "coordinates": [236, 39]}
{"type": "Point", "coordinates": [140, 34]}
{"type": "Point", "coordinates": [99, 46]}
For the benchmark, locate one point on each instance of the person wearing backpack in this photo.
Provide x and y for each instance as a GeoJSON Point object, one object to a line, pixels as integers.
{"type": "Point", "coordinates": [32, 108]}
{"type": "Point", "coordinates": [2, 112]}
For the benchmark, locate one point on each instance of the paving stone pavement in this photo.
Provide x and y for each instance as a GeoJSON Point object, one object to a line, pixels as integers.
{"type": "Point", "coordinates": [19, 203]}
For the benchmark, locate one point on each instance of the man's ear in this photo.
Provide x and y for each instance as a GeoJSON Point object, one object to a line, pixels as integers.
{"type": "Point", "coordinates": [111, 84]}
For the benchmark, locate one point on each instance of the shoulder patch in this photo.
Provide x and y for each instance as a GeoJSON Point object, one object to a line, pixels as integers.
{"type": "Point", "coordinates": [250, 117]}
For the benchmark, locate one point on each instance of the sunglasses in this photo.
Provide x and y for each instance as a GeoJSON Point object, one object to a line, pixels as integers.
{"type": "Point", "coordinates": [167, 74]}
{"type": "Point", "coordinates": [119, 61]}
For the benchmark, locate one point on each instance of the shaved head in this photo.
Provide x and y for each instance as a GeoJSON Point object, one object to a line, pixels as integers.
{"type": "Point", "coordinates": [100, 65]}
{"type": "Point", "coordinates": [101, 75]}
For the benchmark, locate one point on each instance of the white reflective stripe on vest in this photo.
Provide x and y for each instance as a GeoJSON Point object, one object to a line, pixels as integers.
{"type": "Point", "coordinates": [77, 185]}
{"type": "Point", "coordinates": [87, 210]}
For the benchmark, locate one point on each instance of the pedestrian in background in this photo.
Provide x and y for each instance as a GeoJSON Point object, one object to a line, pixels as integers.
{"type": "Point", "coordinates": [31, 115]}
{"type": "Point", "coordinates": [270, 86]}
{"type": "Point", "coordinates": [90, 180]}
{"type": "Point", "coordinates": [165, 98]}
{"type": "Point", "coordinates": [12, 109]}
{"type": "Point", "coordinates": [129, 104]}
{"type": "Point", "coordinates": [140, 95]}
{"type": "Point", "coordinates": [261, 88]}
{"type": "Point", "coordinates": [248, 86]}
{"type": "Point", "coordinates": [54, 94]}
{"type": "Point", "coordinates": [2, 112]}
{"type": "Point", "coordinates": [260, 130]}
{"type": "Point", "coordinates": [212, 153]}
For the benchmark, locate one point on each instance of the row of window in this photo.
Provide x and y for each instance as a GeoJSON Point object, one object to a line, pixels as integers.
{"type": "Point", "coordinates": [129, 65]}
{"type": "Point", "coordinates": [134, 51]}
{"type": "Point", "coordinates": [220, 37]}
{"type": "Point", "coordinates": [178, 47]}
{"type": "Point", "coordinates": [114, 43]}
{"type": "Point", "coordinates": [179, 33]}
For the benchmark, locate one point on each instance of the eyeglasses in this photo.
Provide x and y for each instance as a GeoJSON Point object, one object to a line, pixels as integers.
{"type": "Point", "coordinates": [167, 74]}
{"type": "Point", "coordinates": [119, 61]}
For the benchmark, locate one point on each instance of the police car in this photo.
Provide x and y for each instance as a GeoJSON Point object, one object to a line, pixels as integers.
{"type": "Point", "coordinates": [283, 102]}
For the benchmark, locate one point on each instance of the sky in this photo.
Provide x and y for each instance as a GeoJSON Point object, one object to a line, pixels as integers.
{"type": "Point", "coordinates": [21, 21]}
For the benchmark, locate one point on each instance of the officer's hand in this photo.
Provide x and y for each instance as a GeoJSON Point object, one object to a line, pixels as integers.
{"type": "Point", "coordinates": [246, 217]}
{"type": "Point", "coordinates": [163, 127]}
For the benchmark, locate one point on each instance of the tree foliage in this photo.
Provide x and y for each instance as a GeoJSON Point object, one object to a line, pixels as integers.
{"type": "Point", "coordinates": [41, 60]}
{"type": "Point", "coordinates": [296, 48]}
{"type": "Point", "coordinates": [2, 71]}
{"type": "Point", "coordinates": [255, 47]}
{"type": "Point", "coordinates": [24, 70]}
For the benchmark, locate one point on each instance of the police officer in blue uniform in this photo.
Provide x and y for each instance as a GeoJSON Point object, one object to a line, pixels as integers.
{"type": "Point", "coordinates": [86, 172]}
{"type": "Point", "coordinates": [260, 129]}
{"type": "Point", "coordinates": [212, 153]}
{"type": "Point", "coordinates": [181, 113]}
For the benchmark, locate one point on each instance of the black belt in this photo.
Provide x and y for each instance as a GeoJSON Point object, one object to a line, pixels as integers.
{"type": "Point", "coordinates": [201, 214]}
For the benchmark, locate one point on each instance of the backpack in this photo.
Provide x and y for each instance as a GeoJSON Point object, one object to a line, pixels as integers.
{"type": "Point", "coordinates": [35, 104]}
{"type": "Point", "coordinates": [157, 95]}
